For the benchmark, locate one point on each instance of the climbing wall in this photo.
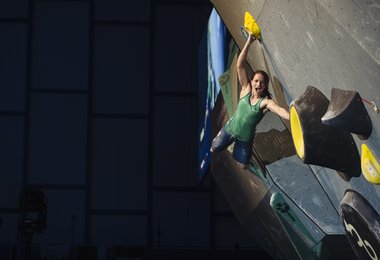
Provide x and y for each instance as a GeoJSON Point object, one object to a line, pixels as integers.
{"type": "Point", "coordinates": [324, 47]}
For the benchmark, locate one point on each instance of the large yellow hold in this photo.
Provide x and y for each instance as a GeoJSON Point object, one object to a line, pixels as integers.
{"type": "Point", "coordinates": [251, 25]}
{"type": "Point", "coordinates": [370, 166]}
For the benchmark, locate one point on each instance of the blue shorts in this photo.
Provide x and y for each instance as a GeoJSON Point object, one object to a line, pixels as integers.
{"type": "Point", "coordinates": [242, 150]}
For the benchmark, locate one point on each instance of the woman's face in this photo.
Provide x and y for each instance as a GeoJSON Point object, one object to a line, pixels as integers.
{"type": "Point", "coordinates": [258, 84]}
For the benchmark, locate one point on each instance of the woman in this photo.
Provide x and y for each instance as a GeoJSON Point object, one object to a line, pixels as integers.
{"type": "Point", "coordinates": [254, 102]}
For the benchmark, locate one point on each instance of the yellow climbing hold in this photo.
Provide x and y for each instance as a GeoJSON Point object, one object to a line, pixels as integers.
{"type": "Point", "coordinates": [370, 166]}
{"type": "Point", "coordinates": [251, 25]}
{"type": "Point", "coordinates": [297, 133]}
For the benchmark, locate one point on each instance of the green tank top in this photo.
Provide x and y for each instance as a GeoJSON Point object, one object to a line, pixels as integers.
{"type": "Point", "coordinates": [243, 122]}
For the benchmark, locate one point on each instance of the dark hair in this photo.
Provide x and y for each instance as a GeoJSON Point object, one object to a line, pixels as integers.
{"type": "Point", "coordinates": [266, 82]}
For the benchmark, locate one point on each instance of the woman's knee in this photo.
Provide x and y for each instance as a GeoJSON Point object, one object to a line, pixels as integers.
{"type": "Point", "coordinates": [216, 142]}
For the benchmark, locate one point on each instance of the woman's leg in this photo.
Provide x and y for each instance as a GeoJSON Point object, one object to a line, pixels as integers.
{"type": "Point", "coordinates": [221, 141]}
{"type": "Point", "coordinates": [242, 153]}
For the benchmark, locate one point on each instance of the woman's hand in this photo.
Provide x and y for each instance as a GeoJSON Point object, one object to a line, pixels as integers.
{"type": "Point", "coordinates": [250, 38]}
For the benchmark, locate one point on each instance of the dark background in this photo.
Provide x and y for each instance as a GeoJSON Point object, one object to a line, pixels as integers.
{"type": "Point", "coordinates": [99, 110]}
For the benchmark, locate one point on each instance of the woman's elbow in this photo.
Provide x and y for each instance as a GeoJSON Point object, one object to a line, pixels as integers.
{"type": "Point", "coordinates": [286, 114]}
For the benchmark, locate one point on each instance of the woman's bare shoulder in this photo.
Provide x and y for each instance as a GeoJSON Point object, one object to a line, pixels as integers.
{"type": "Point", "coordinates": [265, 100]}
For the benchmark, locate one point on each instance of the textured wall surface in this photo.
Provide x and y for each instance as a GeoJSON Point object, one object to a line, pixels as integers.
{"type": "Point", "coordinates": [325, 44]}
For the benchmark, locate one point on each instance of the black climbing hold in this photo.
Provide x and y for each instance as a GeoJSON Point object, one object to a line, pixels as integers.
{"type": "Point", "coordinates": [362, 225]}
{"type": "Point", "coordinates": [320, 144]}
{"type": "Point", "coordinates": [346, 110]}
